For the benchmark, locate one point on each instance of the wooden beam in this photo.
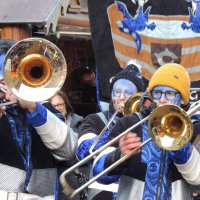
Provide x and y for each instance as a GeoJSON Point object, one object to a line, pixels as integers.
{"type": "Point", "coordinates": [15, 31]}
{"type": "Point", "coordinates": [80, 20]}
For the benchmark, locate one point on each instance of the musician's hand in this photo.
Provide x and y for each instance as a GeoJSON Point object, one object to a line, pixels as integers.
{"type": "Point", "coordinates": [146, 104]}
{"type": "Point", "coordinates": [2, 110]}
{"type": "Point", "coordinates": [129, 142]}
{"type": "Point", "coordinates": [118, 104]}
{"type": "Point", "coordinates": [120, 107]}
{"type": "Point", "coordinates": [3, 89]}
{"type": "Point", "coordinates": [10, 96]}
{"type": "Point", "coordinates": [28, 105]}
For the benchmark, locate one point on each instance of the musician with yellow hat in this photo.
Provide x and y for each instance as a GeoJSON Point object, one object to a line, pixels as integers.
{"type": "Point", "coordinates": [154, 172]}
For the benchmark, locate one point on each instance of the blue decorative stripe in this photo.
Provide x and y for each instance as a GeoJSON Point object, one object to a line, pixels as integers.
{"type": "Point", "coordinates": [20, 129]}
{"type": "Point", "coordinates": [181, 156]}
{"type": "Point", "coordinates": [157, 168]}
{"type": "Point", "coordinates": [195, 118]}
{"type": "Point", "coordinates": [97, 89]}
{"type": "Point", "coordinates": [39, 116]}
{"type": "Point", "coordinates": [2, 57]}
{"type": "Point", "coordinates": [84, 147]}
{"type": "Point", "coordinates": [56, 188]}
{"type": "Point", "coordinates": [99, 167]}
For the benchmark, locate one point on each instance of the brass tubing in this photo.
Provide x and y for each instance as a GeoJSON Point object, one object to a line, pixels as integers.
{"type": "Point", "coordinates": [71, 192]}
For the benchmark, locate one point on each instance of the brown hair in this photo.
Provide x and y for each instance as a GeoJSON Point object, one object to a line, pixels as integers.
{"type": "Point", "coordinates": [69, 107]}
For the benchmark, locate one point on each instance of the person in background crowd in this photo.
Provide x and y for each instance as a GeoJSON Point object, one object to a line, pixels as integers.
{"type": "Point", "coordinates": [152, 172]}
{"type": "Point", "coordinates": [32, 141]}
{"type": "Point", "coordinates": [61, 102]}
{"type": "Point", "coordinates": [125, 84]}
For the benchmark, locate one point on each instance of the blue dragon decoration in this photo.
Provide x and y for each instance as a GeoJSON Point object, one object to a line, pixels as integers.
{"type": "Point", "coordinates": [194, 18]}
{"type": "Point", "coordinates": [132, 25]}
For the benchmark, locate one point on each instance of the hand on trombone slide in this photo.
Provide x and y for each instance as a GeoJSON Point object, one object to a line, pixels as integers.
{"type": "Point", "coordinates": [119, 105]}
{"type": "Point", "coordinates": [129, 142]}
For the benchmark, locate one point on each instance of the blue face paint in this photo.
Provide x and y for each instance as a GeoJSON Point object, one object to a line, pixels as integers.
{"type": "Point", "coordinates": [122, 90]}
{"type": "Point", "coordinates": [167, 95]}
{"type": "Point", "coordinates": [2, 57]}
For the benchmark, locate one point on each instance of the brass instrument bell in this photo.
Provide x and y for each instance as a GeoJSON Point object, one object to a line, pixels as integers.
{"type": "Point", "coordinates": [170, 127]}
{"type": "Point", "coordinates": [34, 69]}
{"type": "Point", "coordinates": [132, 104]}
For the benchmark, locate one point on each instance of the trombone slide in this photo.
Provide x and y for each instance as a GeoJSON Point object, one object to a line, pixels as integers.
{"type": "Point", "coordinates": [67, 188]}
{"type": "Point", "coordinates": [9, 103]}
{"type": "Point", "coordinates": [102, 132]}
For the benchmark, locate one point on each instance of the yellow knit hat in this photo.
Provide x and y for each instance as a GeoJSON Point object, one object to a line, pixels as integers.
{"type": "Point", "coordinates": [172, 75]}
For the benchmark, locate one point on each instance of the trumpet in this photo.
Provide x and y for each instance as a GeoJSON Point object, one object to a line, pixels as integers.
{"type": "Point", "coordinates": [170, 127]}
{"type": "Point", "coordinates": [131, 106]}
{"type": "Point", "coordinates": [34, 69]}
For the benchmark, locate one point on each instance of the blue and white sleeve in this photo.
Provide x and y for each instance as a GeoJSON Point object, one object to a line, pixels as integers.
{"type": "Point", "coordinates": [99, 165]}
{"type": "Point", "coordinates": [55, 134]}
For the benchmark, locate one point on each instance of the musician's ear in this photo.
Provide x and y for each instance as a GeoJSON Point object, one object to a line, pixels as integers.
{"type": "Point", "coordinates": [182, 102]}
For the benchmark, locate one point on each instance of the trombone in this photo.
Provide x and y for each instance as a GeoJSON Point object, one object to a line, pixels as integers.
{"type": "Point", "coordinates": [131, 106]}
{"type": "Point", "coordinates": [34, 69]}
{"type": "Point", "coordinates": [170, 127]}
{"type": "Point", "coordinates": [9, 103]}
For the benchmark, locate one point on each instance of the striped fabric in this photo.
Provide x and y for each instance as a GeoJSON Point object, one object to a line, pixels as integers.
{"type": "Point", "coordinates": [168, 42]}
{"type": "Point", "coordinates": [12, 180]}
{"type": "Point", "coordinates": [132, 189]}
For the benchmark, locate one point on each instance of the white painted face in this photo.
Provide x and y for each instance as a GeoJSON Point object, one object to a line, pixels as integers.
{"type": "Point", "coordinates": [121, 91]}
